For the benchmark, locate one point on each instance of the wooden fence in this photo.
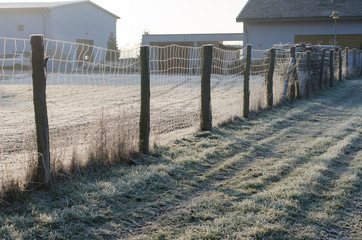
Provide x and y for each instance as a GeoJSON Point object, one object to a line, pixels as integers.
{"type": "Point", "coordinates": [316, 80]}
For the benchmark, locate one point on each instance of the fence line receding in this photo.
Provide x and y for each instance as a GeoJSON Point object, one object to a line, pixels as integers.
{"type": "Point", "coordinates": [93, 94]}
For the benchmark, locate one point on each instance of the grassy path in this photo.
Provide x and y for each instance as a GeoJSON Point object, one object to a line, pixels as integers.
{"type": "Point", "coordinates": [291, 173]}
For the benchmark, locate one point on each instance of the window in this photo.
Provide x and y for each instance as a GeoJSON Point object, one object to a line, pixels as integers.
{"type": "Point", "coordinates": [20, 27]}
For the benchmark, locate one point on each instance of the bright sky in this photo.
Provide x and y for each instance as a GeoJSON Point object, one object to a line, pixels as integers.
{"type": "Point", "coordinates": [169, 17]}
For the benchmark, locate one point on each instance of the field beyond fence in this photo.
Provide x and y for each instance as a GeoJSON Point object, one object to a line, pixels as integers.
{"type": "Point", "coordinates": [103, 105]}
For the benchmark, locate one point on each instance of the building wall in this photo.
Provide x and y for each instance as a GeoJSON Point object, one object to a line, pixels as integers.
{"type": "Point", "coordinates": [30, 22]}
{"type": "Point", "coordinates": [82, 21]}
{"type": "Point", "coordinates": [9, 22]}
{"type": "Point", "coordinates": [265, 35]}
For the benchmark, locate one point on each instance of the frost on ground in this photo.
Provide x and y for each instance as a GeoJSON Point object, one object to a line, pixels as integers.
{"type": "Point", "coordinates": [81, 107]}
{"type": "Point", "coordinates": [290, 173]}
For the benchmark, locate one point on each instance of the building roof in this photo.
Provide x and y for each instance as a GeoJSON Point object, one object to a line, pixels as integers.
{"type": "Point", "coordinates": [48, 6]}
{"type": "Point", "coordinates": [286, 10]}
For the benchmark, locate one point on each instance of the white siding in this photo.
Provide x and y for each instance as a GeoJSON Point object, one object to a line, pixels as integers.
{"type": "Point", "coordinates": [82, 21]}
{"type": "Point", "coordinates": [32, 22]}
{"type": "Point", "coordinates": [264, 35]}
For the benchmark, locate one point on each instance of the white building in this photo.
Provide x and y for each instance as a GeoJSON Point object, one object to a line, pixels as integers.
{"type": "Point", "coordinates": [79, 21]}
{"type": "Point", "coordinates": [269, 22]}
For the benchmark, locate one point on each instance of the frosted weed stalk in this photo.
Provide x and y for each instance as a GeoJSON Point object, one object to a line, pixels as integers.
{"type": "Point", "coordinates": [115, 139]}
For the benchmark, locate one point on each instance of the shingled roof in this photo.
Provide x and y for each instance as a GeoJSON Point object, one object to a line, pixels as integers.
{"type": "Point", "coordinates": [11, 6]}
{"type": "Point", "coordinates": [286, 10]}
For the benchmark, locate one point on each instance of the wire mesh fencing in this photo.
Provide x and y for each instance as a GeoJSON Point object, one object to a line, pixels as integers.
{"type": "Point", "coordinates": [227, 84]}
{"type": "Point", "coordinates": [93, 95]}
{"type": "Point", "coordinates": [258, 72]}
{"type": "Point", "coordinates": [93, 101]}
{"type": "Point", "coordinates": [175, 91]}
{"type": "Point", "coordinates": [17, 127]}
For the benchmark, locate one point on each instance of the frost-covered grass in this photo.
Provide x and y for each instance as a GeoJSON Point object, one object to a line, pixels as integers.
{"type": "Point", "coordinates": [290, 173]}
{"type": "Point", "coordinates": [81, 106]}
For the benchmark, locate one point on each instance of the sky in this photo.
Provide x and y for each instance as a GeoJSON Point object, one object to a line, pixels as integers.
{"type": "Point", "coordinates": [168, 17]}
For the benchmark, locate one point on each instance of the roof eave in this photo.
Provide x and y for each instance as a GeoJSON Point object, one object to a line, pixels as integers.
{"type": "Point", "coordinates": [41, 9]}
{"type": "Point", "coordinates": [90, 2]}
{"type": "Point", "coordinates": [294, 19]}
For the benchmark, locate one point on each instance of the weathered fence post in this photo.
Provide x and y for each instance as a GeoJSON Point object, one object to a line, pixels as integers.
{"type": "Point", "coordinates": [346, 64]}
{"type": "Point", "coordinates": [308, 66]}
{"type": "Point", "coordinates": [269, 80]}
{"type": "Point", "coordinates": [360, 63]}
{"type": "Point", "coordinates": [40, 109]}
{"type": "Point", "coordinates": [321, 73]}
{"type": "Point", "coordinates": [354, 63]}
{"type": "Point", "coordinates": [331, 67]}
{"type": "Point", "coordinates": [293, 78]}
{"type": "Point", "coordinates": [246, 100]}
{"type": "Point", "coordinates": [144, 133]}
{"type": "Point", "coordinates": [340, 65]}
{"type": "Point", "coordinates": [206, 114]}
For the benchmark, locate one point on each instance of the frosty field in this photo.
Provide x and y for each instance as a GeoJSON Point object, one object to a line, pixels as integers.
{"type": "Point", "coordinates": [78, 104]}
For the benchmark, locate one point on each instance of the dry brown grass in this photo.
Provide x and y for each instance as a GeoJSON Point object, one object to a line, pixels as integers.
{"type": "Point", "coordinates": [113, 141]}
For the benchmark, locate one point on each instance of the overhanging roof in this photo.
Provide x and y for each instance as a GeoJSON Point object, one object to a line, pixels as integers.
{"type": "Point", "coordinates": [48, 6]}
{"type": "Point", "coordinates": [299, 10]}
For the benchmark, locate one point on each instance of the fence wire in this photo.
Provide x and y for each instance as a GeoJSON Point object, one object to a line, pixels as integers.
{"type": "Point", "coordinates": [258, 73]}
{"type": "Point", "coordinates": [281, 71]}
{"type": "Point", "coordinates": [93, 100]}
{"type": "Point", "coordinates": [227, 84]}
{"type": "Point", "coordinates": [93, 96]}
{"type": "Point", "coordinates": [175, 91]}
{"type": "Point", "coordinates": [17, 125]}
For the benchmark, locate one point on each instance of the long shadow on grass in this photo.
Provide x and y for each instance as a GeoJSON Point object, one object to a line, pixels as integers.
{"type": "Point", "coordinates": [325, 183]}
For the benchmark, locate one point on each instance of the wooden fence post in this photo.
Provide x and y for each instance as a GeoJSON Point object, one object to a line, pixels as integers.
{"type": "Point", "coordinates": [346, 64]}
{"type": "Point", "coordinates": [144, 133]}
{"type": "Point", "coordinates": [331, 67]}
{"type": "Point", "coordinates": [340, 65]}
{"type": "Point", "coordinates": [206, 114]}
{"type": "Point", "coordinates": [308, 66]}
{"type": "Point", "coordinates": [246, 100]}
{"type": "Point", "coordinates": [292, 82]}
{"type": "Point", "coordinates": [360, 63]}
{"type": "Point", "coordinates": [354, 63]}
{"type": "Point", "coordinates": [40, 108]}
{"type": "Point", "coordinates": [321, 73]}
{"type": "Point", "coordinates": [269, 80]}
